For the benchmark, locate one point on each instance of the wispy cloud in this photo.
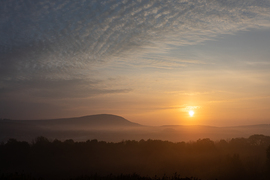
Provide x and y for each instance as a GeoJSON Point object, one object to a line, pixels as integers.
{"type": "Point", "coordinates": [188, 108]}
{"type": "Point", "coordinates": [57, 89]}
{"type": "Point", "coordinates": [51, 47]}
{"type": "Point", "coordinates": [61, 35]}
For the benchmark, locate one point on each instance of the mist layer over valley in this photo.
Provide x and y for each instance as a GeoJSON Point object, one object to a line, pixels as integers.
{"type": "Point", "coordinates": [112, 128]}
{"type": "Point", "coordinates": [107, 146]}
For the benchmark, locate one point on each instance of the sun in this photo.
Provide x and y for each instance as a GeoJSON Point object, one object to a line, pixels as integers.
{"type": "Point", "coordinates": [191, 113]}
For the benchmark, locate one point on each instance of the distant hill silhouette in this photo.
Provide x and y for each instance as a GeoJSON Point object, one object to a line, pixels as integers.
{"type": "Point", "coordinates": [114, 128]}
{"type": "Point", "coordinates": [101, 120]}
{"type": "Point", "coordinates": [92, 126]}
{"type": "Point", "coordinates": [87, 122]}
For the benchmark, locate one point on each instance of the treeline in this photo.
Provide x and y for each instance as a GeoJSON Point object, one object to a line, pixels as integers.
{"type": "Point", "coordinates": [238, 158]}
{"type": "Point", "coordinates": [134, 176]}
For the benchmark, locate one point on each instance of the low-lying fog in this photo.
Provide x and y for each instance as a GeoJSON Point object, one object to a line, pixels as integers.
{"type": "Point", "coordinates": [113, 128]}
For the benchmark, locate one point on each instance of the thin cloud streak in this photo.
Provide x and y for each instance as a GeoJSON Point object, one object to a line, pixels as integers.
{"type": "Point", "coordinates": [54, 50]}
{"type": "Point", "coordinates": [60, 35]}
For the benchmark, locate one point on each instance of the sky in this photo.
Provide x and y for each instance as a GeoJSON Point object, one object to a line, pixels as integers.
{"type": "Point", "coordinates": [149, 61]}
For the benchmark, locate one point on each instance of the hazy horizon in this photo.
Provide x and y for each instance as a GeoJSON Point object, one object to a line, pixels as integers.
{"type": "Point", "coordinates": [64, 118]}
{"type": "Point", "coordinates": [112, 128]}
{"type": "Point", "coordinates": [151, 62]}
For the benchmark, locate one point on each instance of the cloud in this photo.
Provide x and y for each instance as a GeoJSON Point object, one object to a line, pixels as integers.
{"type": "Point", "coordinates": [188, 108]}
{"type": "Point", "coordinates": [56, 89]}
{"type": "Point", "coordinates": [60, 42]}
{"type": "Point", "coordinates": [60, 35]}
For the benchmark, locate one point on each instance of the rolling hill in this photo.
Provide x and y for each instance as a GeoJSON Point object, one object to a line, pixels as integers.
{"type": "Point", "coordinates": [114, 128]}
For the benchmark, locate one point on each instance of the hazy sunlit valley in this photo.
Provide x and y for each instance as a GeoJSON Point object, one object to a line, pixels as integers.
{"type": "Point", "coordinates": [135, 89]}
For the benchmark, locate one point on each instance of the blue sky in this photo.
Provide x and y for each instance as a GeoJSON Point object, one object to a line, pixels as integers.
{"type": "Point", "coordinates": [149, 61]}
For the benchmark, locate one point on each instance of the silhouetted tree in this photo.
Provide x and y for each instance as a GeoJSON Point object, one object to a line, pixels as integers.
{"type": "Point", "coordinates": [239, 158]}
{"type": "Point", "coordinates": [268, 157]}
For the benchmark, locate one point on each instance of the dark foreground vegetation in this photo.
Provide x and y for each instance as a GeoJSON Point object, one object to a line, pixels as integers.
{"type": "Point", "coordinates": [235, 159]}
{"type": "Point", "coordinates": [134, 176]}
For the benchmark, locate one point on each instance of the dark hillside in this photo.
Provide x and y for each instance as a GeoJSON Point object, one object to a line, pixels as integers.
{"type": "Point", "coordinates": [77, 128]}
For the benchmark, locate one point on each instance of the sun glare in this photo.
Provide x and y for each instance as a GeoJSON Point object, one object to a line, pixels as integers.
{"type": "Point", "coordinates": [191, 113]}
